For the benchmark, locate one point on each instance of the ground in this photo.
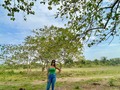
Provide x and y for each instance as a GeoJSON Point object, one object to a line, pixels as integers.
{"type": "Point", "coordinates": [94, 78]}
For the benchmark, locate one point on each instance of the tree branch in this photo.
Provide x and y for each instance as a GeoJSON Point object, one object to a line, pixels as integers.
{"type": "Point", "coordinates": [99, 3]}
{"type": "Point", "coordinates": [111, 40]}
{"type": "Point", "coordinates": [106, 7]}
{"type": "Point", "coordinates": [112, 7]}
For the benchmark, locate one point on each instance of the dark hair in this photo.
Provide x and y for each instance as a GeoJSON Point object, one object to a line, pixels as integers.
{"type": "Point", "coordinates": [53, 61]}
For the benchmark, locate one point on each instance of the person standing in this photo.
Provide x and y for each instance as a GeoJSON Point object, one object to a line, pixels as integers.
{"type": "Point", "coordinates": [51, 75]}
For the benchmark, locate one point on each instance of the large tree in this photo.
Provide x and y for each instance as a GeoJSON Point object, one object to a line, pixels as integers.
{"type": "Point", "coordinates": [54, 43]}
{"type": "Point", "coordinates": [44, 45]}
{"type": "Point", "coordinates": [98, 18]}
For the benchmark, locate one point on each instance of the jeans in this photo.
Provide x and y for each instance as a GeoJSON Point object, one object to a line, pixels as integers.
{"type": "Point", "coordinates": [51, 80]}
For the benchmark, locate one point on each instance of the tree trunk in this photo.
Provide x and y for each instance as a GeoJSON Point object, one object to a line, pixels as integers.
{"type": "Point", "coordinates": [43, 68]}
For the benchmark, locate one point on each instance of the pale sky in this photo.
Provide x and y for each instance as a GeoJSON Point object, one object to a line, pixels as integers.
{"type": "Point", "coordinates": [14, 32]}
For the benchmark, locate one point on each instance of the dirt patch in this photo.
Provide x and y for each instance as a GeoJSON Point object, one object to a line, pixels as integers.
{"type": "Point", "coordinates": [73, 79]}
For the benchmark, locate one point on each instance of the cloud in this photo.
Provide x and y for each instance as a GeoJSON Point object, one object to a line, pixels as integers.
{"type": "Point", "coordinates": [8, 38]}
{"type": "Point", "coordinates": [109, 0]}
{"type": "Point", "coordinates": [114, 44]}
{"type": "Point", "coordinates": [16, 31]}
{"type": "Point", "coordinates": [42, 17]}
{"type": "Point", "coordinates": [103, 49]}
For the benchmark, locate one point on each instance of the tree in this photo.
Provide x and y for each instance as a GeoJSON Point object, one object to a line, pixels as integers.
{"type": "Point", "coordinates": [53, 43]}
{"type": "Point", "coordinates": [97, 18]}
{"type": "Point", "coordinates": [12, 54]}
{"type": "Point", "coordinates": [104, 60]}
{"type": "Point", "coordinates": [114, 61]}
{"type": "Point", "coordinates": [16, 55]}
{"type": "Point", "coordinates": [46, 44]}
{"type": "Point", "coordinates": [96, 61]}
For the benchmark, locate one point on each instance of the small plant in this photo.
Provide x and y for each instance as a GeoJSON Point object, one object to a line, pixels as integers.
{"type": "Point", "coordinates": [11, 72]}
{"type": "Point", "coordinates": [77, 87]}
{"type": "Point", "coordinates": [111, 82]}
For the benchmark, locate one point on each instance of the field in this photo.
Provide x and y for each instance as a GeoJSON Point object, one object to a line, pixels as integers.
{"type": "Point", "coordinates": [94, 78]}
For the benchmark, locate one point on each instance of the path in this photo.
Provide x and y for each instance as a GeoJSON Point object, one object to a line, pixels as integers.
{"type": "Point", "coordinates": [76, 79]}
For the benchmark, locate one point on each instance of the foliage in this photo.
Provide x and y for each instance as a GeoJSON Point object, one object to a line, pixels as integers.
{"type": "Point", "coordinates": [93, 63]}
{"type": "Point", "coordinates": [12, 54]}
{"type": "Point", "coordinates": [111, 82]}
{"type": "Point", "coordinates": [97, 18]}
{"type": "Point", "coordinates": [46, 44]}
{"type": "Point", "coordinates": [16, 6]}
{"type": "Point", "coordinates": [54, 43]}
{"type": "Point", "coordinates": [90, 18]}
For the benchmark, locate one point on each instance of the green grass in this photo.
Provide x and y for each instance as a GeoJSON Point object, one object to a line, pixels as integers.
{"type": "Point", "coordinates": [104, 78]}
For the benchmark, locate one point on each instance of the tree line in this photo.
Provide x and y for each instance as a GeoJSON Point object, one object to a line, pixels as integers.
{"type": "Point", "coordinates": [103, 61]}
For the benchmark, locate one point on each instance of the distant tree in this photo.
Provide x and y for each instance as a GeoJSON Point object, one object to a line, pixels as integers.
{"type": "Point", "coordinates": [9, 52]}
{"type": "Point", "coordinates": [114, 61]}
{"type": "Point", "coordinates": [96, 61]}
{"type": "Point", "coordinates": [104, 60]}
{"type": "Point", "coordinates": [68, 62]}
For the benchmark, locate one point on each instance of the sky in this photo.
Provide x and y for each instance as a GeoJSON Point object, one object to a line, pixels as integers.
{"type": "Point", "coordinates": [14, 32]}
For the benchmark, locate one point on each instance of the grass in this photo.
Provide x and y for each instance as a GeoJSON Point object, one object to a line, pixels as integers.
{"type": "Point", "coordinates": [103, 78]}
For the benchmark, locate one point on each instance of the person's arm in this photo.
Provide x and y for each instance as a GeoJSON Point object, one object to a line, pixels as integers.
{"type": "Point", "coordinates": [58, 69]}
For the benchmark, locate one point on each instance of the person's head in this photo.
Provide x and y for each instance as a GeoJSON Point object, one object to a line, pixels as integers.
{"type": "Point", "coordinates": [53, 63]}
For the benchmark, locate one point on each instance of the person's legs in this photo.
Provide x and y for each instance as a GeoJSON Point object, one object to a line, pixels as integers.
{"type": "Point", "coordinates": [53, 81]}
{"type": "Point", "coordinates": [49, 82]}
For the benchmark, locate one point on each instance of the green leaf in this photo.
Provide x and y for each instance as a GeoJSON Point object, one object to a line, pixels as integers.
{"type": "Point", "coordinates": [31, 3]}
{"type": "Point", "coordinates": [50, 8]}
{"type": "Point", "coordinates": [89, 45]}
{"type": "Point", "coordinates": [9, 14]}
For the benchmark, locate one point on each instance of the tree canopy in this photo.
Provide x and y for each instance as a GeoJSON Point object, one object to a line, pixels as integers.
{"type": "Point", "coordinates": [53, 43]}
{"type": "Point", "coordinates": [98, 18]}
{"type": "Point", "coordinates": [44, 45]}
